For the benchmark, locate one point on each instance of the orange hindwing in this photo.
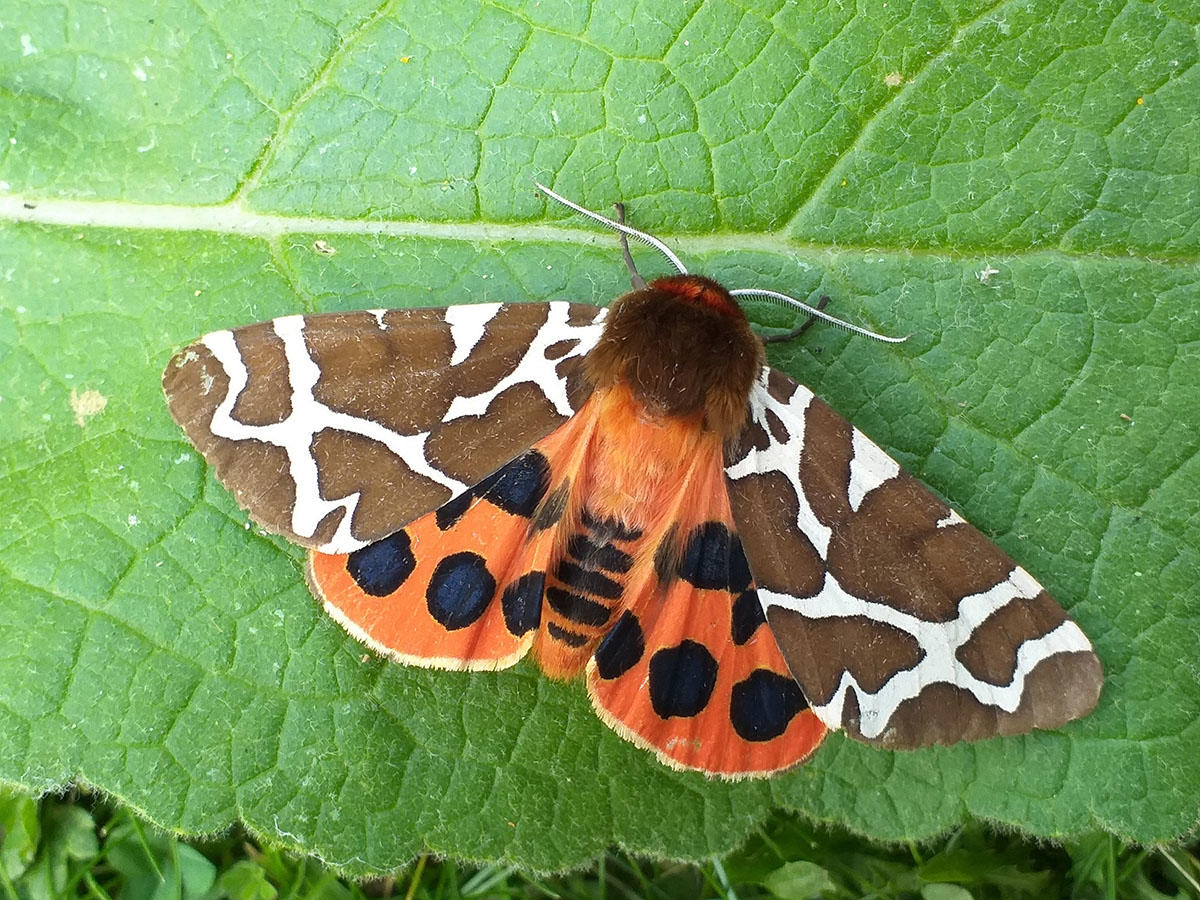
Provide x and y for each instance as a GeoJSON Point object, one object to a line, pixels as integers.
{"type": "Point", "coordinates": [610, 546]}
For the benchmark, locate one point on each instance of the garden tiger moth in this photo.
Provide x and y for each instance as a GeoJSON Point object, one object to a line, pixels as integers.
{"type": "Point", "coordinates": [633, 495]}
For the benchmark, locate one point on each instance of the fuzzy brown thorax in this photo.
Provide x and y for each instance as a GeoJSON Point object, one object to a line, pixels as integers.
{"type": "Point", "coordinates": [684, 348]}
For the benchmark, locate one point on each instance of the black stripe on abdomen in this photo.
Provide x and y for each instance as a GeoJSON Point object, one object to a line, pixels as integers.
{"type": "Point", "coordinates": [570, 638]}
{"type": "Point", "coordinates": [586, 585]}
{"type": "Point", "coordinates": [577, 608]}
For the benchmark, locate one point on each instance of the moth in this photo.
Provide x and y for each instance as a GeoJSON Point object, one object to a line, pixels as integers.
{"type": "Point", "coordinates": [633, 494]}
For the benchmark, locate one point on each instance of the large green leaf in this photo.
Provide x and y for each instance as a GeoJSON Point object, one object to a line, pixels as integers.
{"type": "Point", "coordinates": [1015, 183]}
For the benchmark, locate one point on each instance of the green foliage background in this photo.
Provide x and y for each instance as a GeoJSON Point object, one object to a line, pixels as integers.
{"type": "Point", "coordinates": [1015, 183]}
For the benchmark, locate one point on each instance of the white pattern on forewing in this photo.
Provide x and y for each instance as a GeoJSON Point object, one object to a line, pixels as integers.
{"type": "Point", "coordinates": [940, 642]}
{"type": "Point", "coordinates": [869, 468]}
{"type": "Point", "coordinates": [783, 457]}
{"type": "Point", "coordinates": [294, 435]}
{"type": "Point", "coordinates": [467, 325]}
{"type": "Point", "coordinates": [951, 518]}
{"type": "Point", "coordinates": [535, 367]}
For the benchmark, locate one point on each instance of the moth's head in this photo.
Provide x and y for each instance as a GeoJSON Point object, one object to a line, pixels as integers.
{"type": "Point", "coordinates": [684, 348]}
{"type": "Point", "coordinates": [698, 291]}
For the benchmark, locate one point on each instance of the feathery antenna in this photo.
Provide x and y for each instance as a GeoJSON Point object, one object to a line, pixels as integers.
{"type": "Point", "coordinates": [785, 300]}
{"type": "Point", "coordinates": [773, 296]}
{"type": "Point", "coordinates": [618, 226]}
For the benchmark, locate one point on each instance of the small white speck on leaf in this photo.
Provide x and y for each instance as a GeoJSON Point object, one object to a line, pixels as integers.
{"type": "Point", "coordinates": [324, 247]}
{"type": "Point", "coordinates": [87, 404]}
{"type": "Point", "coordinates": [642, 119]}
{"type": "Point", "coordinates": [554, 116]}
{"type": "Point", "coordinates": [139, 73]}
{"type": "Point", "coordinates": [27, 48]}
{"type": "Point", "coordinates": [893, 79]}
{"type": "Point", "coordinates": [985, 274]}
{"type": "Point", "coordinates": [133, 520]}
{"type": "Point", "coordinates": [412, 170]}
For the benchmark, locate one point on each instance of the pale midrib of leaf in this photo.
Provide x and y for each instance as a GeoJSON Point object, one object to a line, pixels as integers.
{"type": "Point", "coordinates": [235, 218]}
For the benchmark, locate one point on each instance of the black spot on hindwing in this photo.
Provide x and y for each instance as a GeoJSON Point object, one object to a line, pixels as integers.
{"type": "Point", "coordinates": [460, 590]}
{"type": "Point", "coordinates": [682, 679]}
{"type": "Point", "coordinates": [455, 508]}
{"type": "Point", "coordinates": [762, 706]}
{"type": "Point", "coordinates": [380, 568]}
{"type": "Point", "coordinates": [713, 559]}
{"type": "Point", "coordinates": [666, 556]}
{"type": "Point", "coordinates": [521, 603]}
{"type": "Point", "coordinates": [621, 648]}
{"type": "Point", "coordinates": [747, 616]}
{"type": "Point", "coordinates": [517, 487]}
{"type": "Point", "coordinates": [552, 507]}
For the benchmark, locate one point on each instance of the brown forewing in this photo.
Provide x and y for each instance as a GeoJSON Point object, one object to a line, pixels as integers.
{"type": "Point", "coordinates": [383, 380]}
{"type": "Point", "coordinates": [901, 622]}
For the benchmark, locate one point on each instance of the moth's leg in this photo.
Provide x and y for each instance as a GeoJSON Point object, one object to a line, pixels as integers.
{"type": "Point", "coordinates": [799, 329]}
{"type": "Point", "coordinates": [638, 281]}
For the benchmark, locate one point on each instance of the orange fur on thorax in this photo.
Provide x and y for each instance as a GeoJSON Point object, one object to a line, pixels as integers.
{"type": "Point", "coordinates": [641, 464]}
